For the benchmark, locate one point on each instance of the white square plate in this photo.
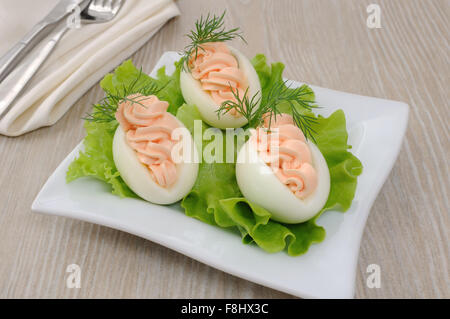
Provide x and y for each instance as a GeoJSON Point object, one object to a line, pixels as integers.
{"type": "Point", "coordinates": [376, 128]}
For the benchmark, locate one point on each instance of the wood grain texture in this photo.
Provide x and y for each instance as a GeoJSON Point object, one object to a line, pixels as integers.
{"type": "Point", "coordinates": [322, 42]}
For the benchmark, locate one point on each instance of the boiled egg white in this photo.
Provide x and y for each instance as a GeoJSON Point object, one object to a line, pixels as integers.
{"type": "Point", "coordinates": [137, 176]}
{"type": "Point", "coordinates": [193, 93]}
{"type": "Point", "coordinates": [259, 184]}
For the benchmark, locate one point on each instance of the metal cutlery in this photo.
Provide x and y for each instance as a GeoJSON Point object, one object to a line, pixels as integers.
{"type": "Point", "coordinates": [95, 11]}
{"type": "Point", "coordinates": [9, 61]}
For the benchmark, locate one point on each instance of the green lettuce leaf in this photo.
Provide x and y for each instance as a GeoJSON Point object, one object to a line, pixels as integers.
{"type": "Point", "coordinates": [344, 167]}
{"type": "Point", "coordinates": [97, 158]}
{"type": "Point", "coordinates": [215, 181]}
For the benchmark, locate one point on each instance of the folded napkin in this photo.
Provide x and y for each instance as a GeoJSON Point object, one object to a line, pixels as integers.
{"type": "Point", "coordinates": [81, 58]}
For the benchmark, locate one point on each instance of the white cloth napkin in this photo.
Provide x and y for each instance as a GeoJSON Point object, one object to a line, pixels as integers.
{"type": "Point", "coordinates": [81, 58]}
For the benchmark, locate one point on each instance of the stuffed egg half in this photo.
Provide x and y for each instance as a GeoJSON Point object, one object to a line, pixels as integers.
{"type": "Point", "coordinates": [216, 70]}
{"type": "Point", "coordinates": [283, 173]}
{"type": "Point", "coordinates": [142, 151]}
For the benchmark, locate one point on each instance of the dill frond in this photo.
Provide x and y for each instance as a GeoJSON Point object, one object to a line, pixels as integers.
{"type": "Point", "coordinates": [209, 29]}
{"type": "Point", "coordinates": [296, 99]}
{"type": "Point", "coordinates": [104, 111]}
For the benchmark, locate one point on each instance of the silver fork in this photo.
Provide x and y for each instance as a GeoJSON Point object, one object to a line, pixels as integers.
{"type": "Point", "coordinates": [98, 11]}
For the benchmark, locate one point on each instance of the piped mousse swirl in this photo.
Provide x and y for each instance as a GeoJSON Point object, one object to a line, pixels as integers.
{"type": "Point", "coordinates": [148, 127]}
{"type": "Point", "coordinates": [218, 72]}
{"type": "Point", "coordinates": [285, 150]}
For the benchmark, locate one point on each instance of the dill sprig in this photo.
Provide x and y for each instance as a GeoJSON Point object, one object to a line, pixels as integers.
{"type": "Point", "coordinates": [245, 106]}
{"type": "Point", "coordinates": [104, 111]}
{"type": "Point", "coordinates": [209, 29]}
{"type": "Point", "coordinates": [296, 99]}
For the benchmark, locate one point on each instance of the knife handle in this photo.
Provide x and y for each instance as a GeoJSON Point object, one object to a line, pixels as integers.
{"type": "Point", "coordinates": [11, 58]}
{"type": "Point", "coordinates": [24, 74]}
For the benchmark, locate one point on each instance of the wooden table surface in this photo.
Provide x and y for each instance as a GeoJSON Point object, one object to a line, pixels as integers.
{"type": "Point", "coordinates": [322, 42]}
